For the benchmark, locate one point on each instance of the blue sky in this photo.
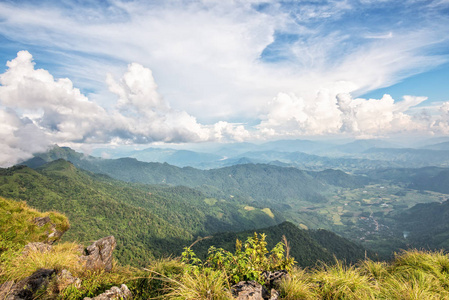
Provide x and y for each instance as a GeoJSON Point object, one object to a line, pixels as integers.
{"type": "Point", "coordinates": [87, 73]}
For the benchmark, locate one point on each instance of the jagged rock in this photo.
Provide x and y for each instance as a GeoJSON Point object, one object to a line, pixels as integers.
{"type": "Point", "coordinates": [27, 288]}
{"type": "Point", "coordinates": [41, 221]}
{"type": "Point", "coordinates": [122, 293]}
{"type": "Point", "coordinates": [274, 295]}
{"type": "Point", "coordinates": [36, 247]}
{"type": "Point", "coordinates": [274, 278]}
{"type": "Point", "coordinates": [65, 278]}
{"type": "Point", "coordinates": [249, 290]}
{"type": "Point", "coordinates": [53, 235]}
{"type": "Point", "coordinates": [99, 254]}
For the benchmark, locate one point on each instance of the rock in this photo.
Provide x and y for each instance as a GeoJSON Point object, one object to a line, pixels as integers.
{"type": "Point", "coordinates": [99, 255]}
{"type": "Point", "coordinates": [27, 288]}
{"type": "Point", "coordinates": [41, 221]}
{"type": "Point", "coordinates": [53, 235]}
{"type": "Point", "coordinates": [274, 278]}
{"type": "Point", "coordinates": [249, 290]}
{"type": "Point", "coordinates": [65, 278]}
{"type": "Point", "coordinates": [122, 293]}
{"type": "Point", "coordinates": [36, 247]}
{"type": "Point", "coordinates": [274, 295]}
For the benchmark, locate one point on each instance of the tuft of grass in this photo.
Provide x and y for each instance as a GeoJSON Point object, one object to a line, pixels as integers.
{"type": "Point", "coordinates": [374, 269]}
{"type": "Point", "coordinates": [344, 282]}
{"type": "Point", "coordinates": [17, 226]}
{"type": "Point", "coordinates": [62, 256]}
{"type": "Point", "coordinates": [157, 279]}
{"type": "Point", "coordinates": [206, 285]}
{"type": "Point", "coordinates": [298, 286]}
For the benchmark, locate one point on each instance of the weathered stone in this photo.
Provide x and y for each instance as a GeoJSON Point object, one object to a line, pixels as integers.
{"type": "Point", "coordinates": [274, 278]}
{"type": "Point", "coordinates": [65, 278]}
{"type": "Point", "coordinates": [36, 247]}
{"type": "Point", "coordinates": [99, 255]}
{"type": "Point", "coordinates": [53, 235]}
{"type": "Point", "coordinates": [274, 295]}
{"type": "Point", "coordinates": [122, 293]}
{"type": "Point", "coordinates": [41, 221]}
{"type": "Point", "coordinates": [26, 289]}
{"type": "Point", "coordinates": [249, 290]}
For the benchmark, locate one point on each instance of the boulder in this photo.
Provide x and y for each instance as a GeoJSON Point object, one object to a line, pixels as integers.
{"type": "Point", "coordinates": [65, 278]}
{"type": "Point", "coordinates": [274, 278]}
{"type": "Point", "coordinates": [99, 255]}
{"type": "Point", "coordinates": [36, 247]}
{"type": "Point", "coordinates": [26, 289]}
{"type": "Point", "coordinates": [249, 290]}
{"type": "Point", "coordinates": [274, 295]}
{"type": "Point", "coordinates": [53, 235]}
{"type": "Point", "coordinates": [122, 293]}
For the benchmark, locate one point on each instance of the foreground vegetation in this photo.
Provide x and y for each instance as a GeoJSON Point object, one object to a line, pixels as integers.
{"type": "Point", "coordinates": [411, 275]}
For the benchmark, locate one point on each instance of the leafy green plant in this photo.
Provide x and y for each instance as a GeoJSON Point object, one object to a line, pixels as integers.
{"type": "Point", "coordinates": [247, 263]}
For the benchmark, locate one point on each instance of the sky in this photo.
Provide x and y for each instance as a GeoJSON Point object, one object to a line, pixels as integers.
{"type": "Point", "coordinates": [122, 72]}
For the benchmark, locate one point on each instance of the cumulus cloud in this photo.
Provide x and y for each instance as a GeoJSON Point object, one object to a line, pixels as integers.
{"type": "Point", "coordinates": [330, 113]}
{"type": "Point", "coordinates": [38, 110]}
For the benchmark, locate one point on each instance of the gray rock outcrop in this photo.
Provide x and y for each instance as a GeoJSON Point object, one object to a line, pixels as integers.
{"type": "Point", "coordinates": [26, 289]}
{"type": "Point", "coordinates": [53, 234]}
{"type": "Point", "coordinates": [36, 247]}
{"type": "Point", "coordinates": [122, 293]}
{"type": "Point", "coordinates": [249, 290]}
{"type": "Point", "coordinates": [99, 255]}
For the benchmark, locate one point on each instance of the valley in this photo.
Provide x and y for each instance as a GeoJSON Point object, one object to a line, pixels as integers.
{"type": "Point", "coordinates": [184, 203]}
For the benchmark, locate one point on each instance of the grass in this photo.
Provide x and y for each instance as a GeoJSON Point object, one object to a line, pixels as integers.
{"type": "Point", "coordinates": [17, 226]}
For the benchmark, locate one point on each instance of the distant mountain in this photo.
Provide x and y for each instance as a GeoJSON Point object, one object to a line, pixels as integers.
{"type": "Point", "coordinates": [426, 225]}
{"type": "Point", "coordinates": [147, 220]}
{"type": "Point", "coordinates": [307, 247]}
{"type": "Point", "coordinates": [265, 184]}
{"type": "Point", "coordinates": [411, 158]}
{"type": "Point", "coordinates": [314, 162]}
{"type": "Point", "coordinates": [440, 146]}
{"type": "Point", "coordinates": [360, 146]}
{"type": "Point", "coordinates": [305, 146]}
{"type": "Point", "coordinates": [429, 178]}
{"type": "Point", "coordinates": [180, 158]}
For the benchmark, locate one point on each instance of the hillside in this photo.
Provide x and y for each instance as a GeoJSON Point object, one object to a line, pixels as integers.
{"type": "Point", "coordinates": [426, 225]}
{"type": "Point", "coordinates": [261, 182]}
{"type": "Point", "coordinates": [411, 275]}
{"type": "Point", "coordinates": [146, 220]}
{"type": "Point", "coordinates": [429, 178]}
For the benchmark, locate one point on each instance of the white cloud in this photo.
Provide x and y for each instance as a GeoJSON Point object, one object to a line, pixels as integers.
{"type": "Point", "coordinates": [39, 110]}
{"type": "Point", "coordinates": [330, 113]}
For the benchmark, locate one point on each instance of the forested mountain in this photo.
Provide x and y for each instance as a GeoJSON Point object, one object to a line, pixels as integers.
{"type": "Point", "coordinates": [429, 178]}
{"type": "Point", "coordinates": [426, 225]}
{"type": "Point", "coordinates": [263, 183]}
{"type": "Point", "coordinates": [147, 220]}
{"type": "Point", "coordinates": [410, 158]}
{"type": "Point", "coordinates": [308, 247]}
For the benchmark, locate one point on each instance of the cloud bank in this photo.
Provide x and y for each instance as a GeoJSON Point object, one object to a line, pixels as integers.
{"type": "Point", "coordinates": [38, 111]}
